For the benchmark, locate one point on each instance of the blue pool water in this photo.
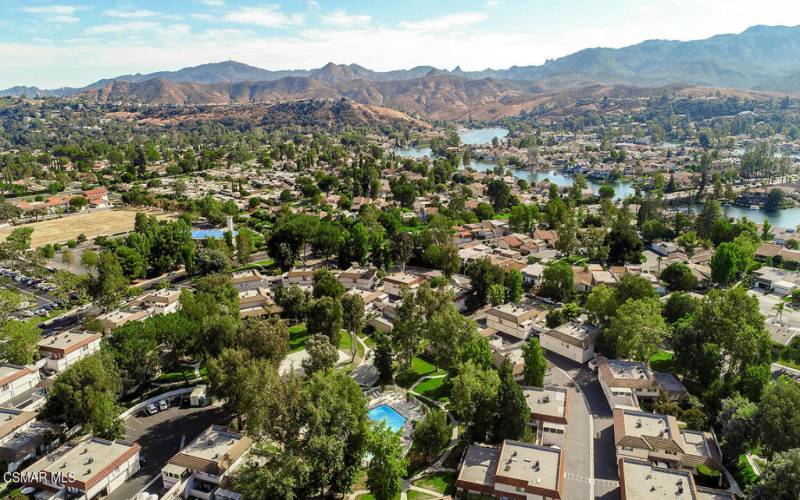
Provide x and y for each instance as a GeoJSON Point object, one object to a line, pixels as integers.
{"type": "Point", "coordinates": [207, 234]}
{"type": "Point", "coordinates": [387, 414]}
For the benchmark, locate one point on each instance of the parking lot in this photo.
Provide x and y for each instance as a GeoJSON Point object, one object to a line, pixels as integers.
{"type": "Point", "coordinates": [161, 436]}
{"type": "Point", "coordinates": [32, 290]}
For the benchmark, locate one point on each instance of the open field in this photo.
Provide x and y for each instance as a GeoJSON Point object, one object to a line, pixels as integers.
{"type": "Point", "coordinates": [91, 224]}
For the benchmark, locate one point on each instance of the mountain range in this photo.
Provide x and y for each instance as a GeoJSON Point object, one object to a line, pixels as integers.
{"type": "Point", "coordinates": [762, 58]}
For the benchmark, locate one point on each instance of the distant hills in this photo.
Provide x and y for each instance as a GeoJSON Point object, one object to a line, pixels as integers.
{"type": "Point", "coordinates": [762, 58]}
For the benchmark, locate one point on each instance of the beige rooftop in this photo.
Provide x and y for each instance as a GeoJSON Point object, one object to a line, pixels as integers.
{"type": "Point", "coordinates": [538, 466]}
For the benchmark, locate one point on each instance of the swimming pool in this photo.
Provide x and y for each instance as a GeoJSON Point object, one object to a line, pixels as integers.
{"type": "Point", "coordinates": [208, 234]}
{"type": "Point", "coordinates": [387, 414]}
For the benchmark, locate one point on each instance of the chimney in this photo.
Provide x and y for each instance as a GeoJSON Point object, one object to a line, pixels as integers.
{"type": "Point", "coordinates": [229, 223]}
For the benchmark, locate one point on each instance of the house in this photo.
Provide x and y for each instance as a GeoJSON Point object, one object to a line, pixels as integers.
{"type": "Point", "coordinates": [115, 319]}
{"type": "Point", "coordinates": [514, 470]}
{"type": "Point", "coordinates": [394, 283]}
{"type": "Point", "coordinates": [247, 279]}
{"type": "Point", "coordinates": [766, 277]}
{"type": "Point", "coordinates": [358, 277]}
{"type": "Point", "coordinates": [65, 349]}
{"type": "Point", "coordinates": [202, 467]}
{"type": "Point", "coordinates": [16, 381]}
{"type": "Point", "coordinates": [572, 340]}
{"type": "Point", "coordinates": [515, 320]}
{"type": "Point", "coordinates": [549, 413]}
{"type": "Point", "coordinates": [582, 278]}
{"type": "Point", "coordinates": [304, 278]}
{"type": "Point", "coordinates": [625, 382]}
{"type": "Point", "coordinates": [503, 349]}
{"type": "Point", "coordinates": [164, 301]}
{"type": "Point", "coordinates": [642, 480]}
{"type": "Point", "coordinates": [532, 274]}
{"type": "Point", "coordinates": [658, 438]}
{"type": "Point", "coordinates": [257, 303]}
{"type": "Point", "coordinates": [22, 438]}
{"type": "Point", "coordinates": [664, 248]}
{"type": "Point", "coordinates": [85, 469]}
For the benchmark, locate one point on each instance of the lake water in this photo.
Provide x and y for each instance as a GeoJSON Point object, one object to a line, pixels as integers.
{"type": "Point", "coordinates": [481, 136]}
{"type": "Point", "coordinates": [787, 218]}
{"type": "Point", "coordinates": [415, 153]}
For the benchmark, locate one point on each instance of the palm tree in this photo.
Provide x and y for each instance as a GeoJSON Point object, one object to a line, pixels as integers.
{"type": "Point", "coordinates": [779, 307]}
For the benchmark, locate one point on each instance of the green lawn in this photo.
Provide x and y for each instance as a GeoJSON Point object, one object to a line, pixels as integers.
{"type": "Point", "coordinates": [417, 495]}
{"type": "Point", "coordinates": [259, 265]}
{"type": "Point", "coordinates": [434, 388]}
{"type": "Point", "coordinates": [789, 363]}
{"type": "Point", "coordinates": [178, 375]}
{"type": "Point", "coordinates": [662, 361]}
{"type": "Point", "coordinates": [298, 335]}
{"type": "Point", "coordinates": [420, 367]}
{"type": "Point", "coordinates": [443, 482]}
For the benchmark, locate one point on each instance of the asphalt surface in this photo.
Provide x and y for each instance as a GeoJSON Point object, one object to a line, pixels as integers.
{"type": "Point", "coordinates": [590, 454]}
{"type": "Point", "coordinates": [160, 437]}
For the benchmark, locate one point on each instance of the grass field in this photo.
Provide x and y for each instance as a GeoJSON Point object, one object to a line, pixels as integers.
{"type": "Point", "coordinates": [662, 361]}
{"type": "Point", "coordinates": [433, 388]}
{"type": "Point", "coordinates": [443, 482]}
{"type": "Point", "coordinates": [419, 368]}
{"type": "Point", "coordinates": [297, 337]}
{"type": "Point", "coordinates": [90, 224]}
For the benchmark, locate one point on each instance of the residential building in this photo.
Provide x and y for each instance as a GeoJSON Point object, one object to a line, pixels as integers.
{"type": "Point", "coordinates": [86, 468]}
{"type": "Point", "coordinates": [114, 319]}
{"type": "Point", "coordinates": [572, 340]}
{"type": "Point", "coordinates": [247, 279]}
{"type": "Point", "coordinates": [65, 349]}
{"type": "Point", "coordinates": [532, 274]}
{"type": "Point", "coordinates": [549, 413]}
{"type": "Point", "coordinates": [304, 278]}
{"type": "Point", "coordinates": [515, 320]}
{"type": "Point", "coordinates": [642, 480]}
{"type": "Point", "coordinates": [514, 470]}
{"type": "Point", "coordinates": [16, 381]}
{"type": "Point", "coordinates": [22, 438]}
{"type": "Point", "coordinates": [257, 303]}
{"type": "Point", "coordinates": [658, 438]}
{"type": "Point", "coordinates": [625, 382]}
{"type": "Point", "coordinates": [394, 284]}
{"type": "Point", "coordinates": [201, 468]}
{"type": "Point", "coordinates": [503, 349]}
{"type": "Point", "coordinates": [359, 277]}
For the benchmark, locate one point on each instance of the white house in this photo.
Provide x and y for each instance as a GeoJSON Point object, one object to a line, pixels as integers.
{"type": "Point", "coordinates": [65, 349]}
{"type": "Point", "coordinates": [572, 340]}
{"type": "Point", "coordinates": [514, 320]}
{"type": "Point", "coordinates": [394, 284]}
{"type": "Point", "coordinates": [16, 380]}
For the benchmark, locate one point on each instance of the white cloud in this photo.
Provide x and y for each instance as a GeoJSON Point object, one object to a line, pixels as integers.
{"type": "Point", "coordinates": [121, 28]}
{"type": "Point", "coordinates": [60, 14]}
{"type": "Point", "coordinates": [343, 19]}
{"type": "Point", "coordinates": [494, 3]}
{"type": "Point", "coordinates": [268, 16]}
{"type": "Point", "coordinates": [129, 14]}
{"type": "Point", "coordinates": [448, 22]}
{"type": "Point", "coordinates": [213, 3]}
{"type": "Point", "coordinates": [313, 5]}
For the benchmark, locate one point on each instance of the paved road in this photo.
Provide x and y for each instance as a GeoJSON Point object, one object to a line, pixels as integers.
{"type": "Point", "coordinates": [160, 437]}
{"type": "Point", "coordinates": [586, 401]}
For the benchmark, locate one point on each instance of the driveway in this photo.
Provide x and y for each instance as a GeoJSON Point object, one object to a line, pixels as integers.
{"type": "Point", "coordinates": [161, 436]}
{"type": "Point", "coordinates": [591, 457]}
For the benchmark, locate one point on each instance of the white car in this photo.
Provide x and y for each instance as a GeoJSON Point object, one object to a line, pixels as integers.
{"type": "Point", "coordinates": [162, 405]}
{"type": "Point", "coordinates": [151, 409]}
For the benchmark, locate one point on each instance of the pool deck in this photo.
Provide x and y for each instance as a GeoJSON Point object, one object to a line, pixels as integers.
{"type": "Point", "coordinates": [412, 411]}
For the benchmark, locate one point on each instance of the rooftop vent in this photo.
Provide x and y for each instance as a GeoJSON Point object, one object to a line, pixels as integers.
{"type": "Point", "coordinates": [638, 423]}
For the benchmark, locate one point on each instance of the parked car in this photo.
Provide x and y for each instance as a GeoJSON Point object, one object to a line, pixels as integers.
{"type": "Point", "coordinates": [162, 405]}
{"type": "Point", "coordinates": [151, 409]}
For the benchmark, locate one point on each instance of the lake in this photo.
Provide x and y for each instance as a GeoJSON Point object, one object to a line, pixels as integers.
{"type": "Point", "coordinates": [787, 218]}
{"type": "Point", "coordinates": [481, 136]}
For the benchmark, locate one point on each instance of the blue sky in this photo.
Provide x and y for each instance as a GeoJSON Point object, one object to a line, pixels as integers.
{"type": "Point", "coordinates": [75, 42]}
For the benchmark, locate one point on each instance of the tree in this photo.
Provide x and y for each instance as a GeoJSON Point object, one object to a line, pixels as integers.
{"type": "Point", "coordinates": [557, 281]}
{"type": "Point", "coordinates": [737, 424]}
{"type": "Point", "coordinates": [244, 245]}
{"type": "Point", "coordinates": [17, 243]}
{"type": "Point", "coordinates": [18, 342]}
{"type": "Point", "coordinates": [326, 284]}
{"type": "Point", "coordinates": [134, 347]}
{"type": "Point", "coordinates": [499, 193]}
{"type": "Point", "coordinates": [473, 398]}
{"type": "Point", "coordinates": [449, 332]}
{"type": "Point", "coordinates": [688, 242]}
{"type": "Point", "coordinates": [383, 358]}
{"type": "Point", "coordinates": [105, 422]}
{"type": "Point", "coordinates": [388, 464]}
{"type": "Point", "coordinates": [724, 264]}
{"type": "Point", "coordinates": [109, 285]}
{"type": "Point", "coordinates": [512, 418]}
{"type": "Point", "coordinates": [322, 355]}
{"type": "Point", "coordinates": [325, 316]}
{"type": "Point", "coordinates": [779, 415]}
{"type": "Point", "coordinates": [402, 247]}
{"type": "Point", "coordinates": [89, 259]}
{"type": "Point", "coordinates": [353, 318]}
{"type": "Point", "coordinates": [9, 302]}
{"type": "Point", "coordinates": [265, 339]}
{"type": "Point", "coordinates": [236, 377]}
{"type": "Point", "coordinates": [678, 276]}
{"type": "Point", "coordinates": [567, 242]}
{"type": "Point", "coordinates": [781, 478]}
{"type": "Point", "coordinates": [497, 294]}
{"type": "Point", "coordinates": [774, 199]}
{"type": "Point", "coordinates": [535, 363]}
{"type": "Point", "coordinates": [624, 245]}
{"type": "Point", "coordinates": [634, 287]}
{"type": "Point", "coordinates": [514, 286]}
{"type": "Point", "coordinates": [67, 257]}
{"type": "Point", "coordinates": [483, 274]}
{"type": "Point", "coordinates": [211, 261]}
{"type": "Point", "coordinates": [521, 218]}
{"type": "Point", "coordinates": [293, 300]}
{"type": "Point", "coordinates": [432, 434]}
{"type": "Point", "coordinates": [638, 330]}
{"type": "Point", "coordinates": [77, 391]}
{"type": "Point", "coordinates": [679, 305]}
